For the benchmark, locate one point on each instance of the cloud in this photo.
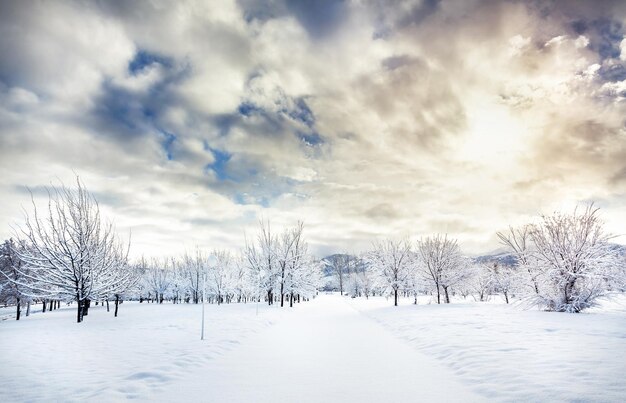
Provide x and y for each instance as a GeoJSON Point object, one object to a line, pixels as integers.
{"type": "Point", "coordinates": [190, 121]}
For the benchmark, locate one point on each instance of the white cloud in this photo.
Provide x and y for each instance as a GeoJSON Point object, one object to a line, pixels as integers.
{"type": "Point", "coordinates": [464, 119]}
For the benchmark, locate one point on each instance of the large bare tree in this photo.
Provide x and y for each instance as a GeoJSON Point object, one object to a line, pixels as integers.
{"type": "Point", "coordinates": [575, 257]}
{"type": "Point", "coordinates": [71, 253]}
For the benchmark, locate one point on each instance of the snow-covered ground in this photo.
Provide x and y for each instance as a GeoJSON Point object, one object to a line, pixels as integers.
{"type": "Point", "coordinates": [506, 353]}
{"type": "Point", "coordinates": [148, 349]}
{"type": "Point", "coordinates": [330, 349]}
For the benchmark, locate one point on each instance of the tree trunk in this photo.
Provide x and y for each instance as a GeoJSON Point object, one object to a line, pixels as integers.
{"type": "Point", "coordinates": [107, 305]}
{"type": "Point", "coordinates": [395, 297]}
{"type": "Point", "coordinates": [79, 312]}
{"type": "Point", "coordinates": [28, 308]}
{"type": "Point", "coordinates": [445, 290]}
{"type": "Point", "coordinates": [86, 305]}
{"type": "Point", "coordinates": [438, 295]}
{"type": "Point", "coordinates": [19, 309]}
{"type": "Point", "coordinates": [117, 301]}
{"type": "Point", "coordinates": [44, 306]}
{"type": "Point", "coordinates": [506, 297]}
{"type": "Point", "coordinates": [291, 300]}
{"type": "Point", "coordinates": [282, 293]}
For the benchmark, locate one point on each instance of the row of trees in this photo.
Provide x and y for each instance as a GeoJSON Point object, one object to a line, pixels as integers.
{"type": "Point", "coordinates": [272, 268]}
{"type": "Point", "coordinates": [562, 262]}
{"type": "Point", "coordinates": [69, 253]}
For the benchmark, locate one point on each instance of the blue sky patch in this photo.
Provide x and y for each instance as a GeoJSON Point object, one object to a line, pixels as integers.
{"type": "Point", "coordinates": [144, 59]}
{"type": "Point", "coordinates": [219, 166]}
{"type": "Point", "coordinates": [167, 144]}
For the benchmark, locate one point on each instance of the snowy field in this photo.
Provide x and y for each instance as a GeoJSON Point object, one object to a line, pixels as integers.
{"type": "Point", "coordinates": [330, 349]}
{"type": "Point", "coordinates": [506, 353]}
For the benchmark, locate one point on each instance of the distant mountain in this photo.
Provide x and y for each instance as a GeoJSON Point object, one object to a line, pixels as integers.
{"type": "Point", "coordinates": [504, 258]}
{"type": "Point", "coordinates": [509, 259]}
{"type": "Point", "coordinates": [327, 270]}
{"type": "Point", "coordinates": [621, 249]}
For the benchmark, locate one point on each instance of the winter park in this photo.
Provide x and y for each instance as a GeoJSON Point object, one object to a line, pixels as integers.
{"type": "Point", "coordinates": [313, 201]}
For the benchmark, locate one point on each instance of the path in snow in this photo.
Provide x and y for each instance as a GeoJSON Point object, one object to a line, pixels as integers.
{"type": "Point", "coordinates": [324, 351]}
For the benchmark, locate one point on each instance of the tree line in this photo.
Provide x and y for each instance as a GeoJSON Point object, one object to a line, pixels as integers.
{"type": "Point", "coordinates": [561, 262]}
{"type": "Point", "coordinates": [273, 268]}
{"type": "Point", "coordinates": [68, 253]}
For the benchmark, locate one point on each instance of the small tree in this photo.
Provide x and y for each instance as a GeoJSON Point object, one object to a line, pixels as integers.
{"type": "Point", "coordinates": [518, 241]}
{"type": "Point", "coordinates": [392, 260]}
{"type": "Point", "coordinates": [262, 261]}
{"type": "Point", "coordinates": [339, 267]}
{"type": "Point", "coordinates": [502, 278]}
{"type": "Point", "coordinates": [11, 277]}
{"type": "Point", "coordinates": [442, 263]}
{"type": "Point", "coordinates": [575, 259]}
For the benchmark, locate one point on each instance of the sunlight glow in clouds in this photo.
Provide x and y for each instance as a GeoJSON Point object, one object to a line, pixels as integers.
{"type": "Point", "coordinates": [192, 120]}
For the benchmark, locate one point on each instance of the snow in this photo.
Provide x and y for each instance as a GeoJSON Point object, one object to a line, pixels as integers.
{"type": "Point", "coordinates": [332, 348]}
{"type": "Point", "coordinates": [510, 354]}
{"type": "Point", "coordinates": [146, 350]}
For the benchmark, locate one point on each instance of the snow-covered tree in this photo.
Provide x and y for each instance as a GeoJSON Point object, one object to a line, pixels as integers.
{"type": "Point", "coordinates": [518, 241]}
{"type": "Point", "coordinates": [286, 257]}
{"type": "Point", "coordinates": [194, 268]}
{"type": "Point", "coordinates": [480, 283]}
{"type": "Point", "coordinates": [442, 263]}
{"type": "Point", "coordinates": [219, 274]}
{"type": "Point", "coordinates": [303, 271]}
{"type": "Point", "coordinates": [502, 278]}
{"type": "Point", "coordinates": [392, 261]}
{"type": "Point", "coordinates": [71, 253]}
{"type": "Point", "coordinates": [339, 266]}
{"type": "Point", "coordinates": [159, 278]}
{"type": "Point", "coordinates": [367, 279]}
{"type": "Point", "coordinates": [260, 255]}
{"type": "Point", "coordinates": [11, 277]}
{"type": "Point", "coordinates": [575, 259]}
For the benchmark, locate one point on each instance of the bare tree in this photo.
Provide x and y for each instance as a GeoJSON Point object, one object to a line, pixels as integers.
{"type": "Point", "coordinates": [303, 271]}
{"type": "Point", "coordinates": [218, 275]}
{"type": "Point", "coordinates": [575, 257]}
{"type": "Point", "coordinates": [339, 266]}
{"type": "Point", "coordinates": [502, 278]}
{"type": "Point", "coordinates": [261, 259]}
{"type": "Point", "coordinates": [159, 277]}
{"type": "Point", "coordinates": [195, 267]}
{"type": "Point", "coordinates": [392, 261]}
{"type": "Point", "coordinates": [517, 240]}
{"type": "Point", "coordinates": [72, 254]}
{"type": "Point", "coordinates": [442, 263]}
{"type": "Point", "coordinates": [11, 269]}
{"type": "Point", "coordinates": [285, 255]}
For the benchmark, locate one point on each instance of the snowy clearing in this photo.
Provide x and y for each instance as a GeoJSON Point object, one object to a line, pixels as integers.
{"type": "Point", "coordinates": [509, 354]}
{"type": "Point", "coordinates": [329, 349]}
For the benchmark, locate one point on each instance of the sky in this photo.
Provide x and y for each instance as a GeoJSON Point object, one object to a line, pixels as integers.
{"type": "Point", "coordinates": [192, 120]}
